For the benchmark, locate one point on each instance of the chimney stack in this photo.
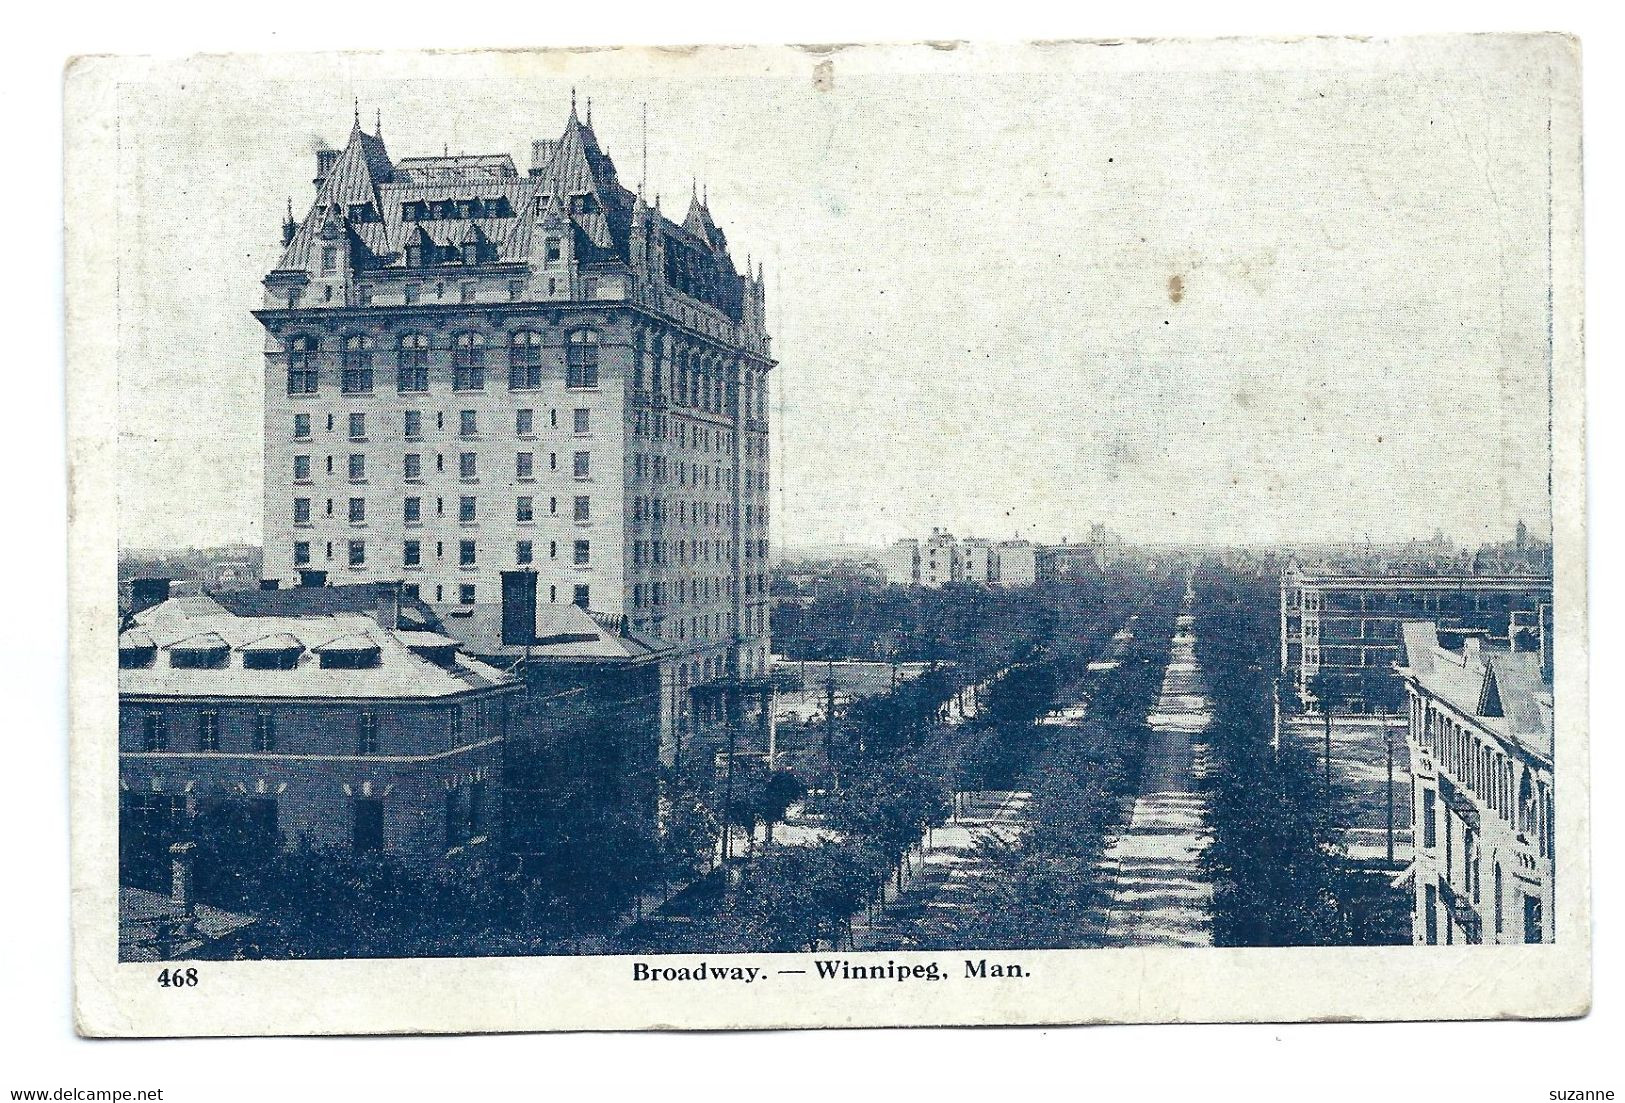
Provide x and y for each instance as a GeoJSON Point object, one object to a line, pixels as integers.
{"type": "Point", "coordinates": [518, 608]}
{"type": "Point", "coordinates": [389, 604]}
{"type": "Point", "coordinates": [147, 592]}
{"type": "Point", "coordinates": [180, 876]}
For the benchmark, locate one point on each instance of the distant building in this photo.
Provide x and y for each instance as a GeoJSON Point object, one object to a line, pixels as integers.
{"type": "Point", "coordinates": [976, 560]}
{"type": "Point", "coordinates": [941, 560]}
{"type": "Point", "coordinates": [902, 562]}
{"type": "Point", "coordinates": [1015, 563]}
{"type": "Point", "coordinates": [1480, 740]}
{"type": "Point", "coordinates": [368, 731]}
{"type": "Point", "coordinates": [1340, 630]}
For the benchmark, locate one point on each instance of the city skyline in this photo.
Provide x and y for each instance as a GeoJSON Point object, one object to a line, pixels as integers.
{"type": "Point", "coordinates": [1176, 225]}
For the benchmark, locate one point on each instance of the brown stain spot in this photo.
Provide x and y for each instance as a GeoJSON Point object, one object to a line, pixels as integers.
{"type": "Point", "coordinates": [1176, 288]}
{"type": "Point", "coordinates": [824, 76]}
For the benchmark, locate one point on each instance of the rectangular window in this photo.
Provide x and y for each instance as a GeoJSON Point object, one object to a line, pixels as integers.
{"type": "Point", "coordinates": [465, 509]}
{"type": "Point", "coordinates": [465, 553]}
{"type": "Point", "coordinates": [413, 513]}
{"type": "Point", "coordinates": [301, 511]}
{"type": "Point", "coordinates": [583, 420]}
{"type": "Point", "coordinates": [208, 731]}
{"type": "Point", "coordinates": [358, 426]}
{"type": "Point", "coordinates": [301, 553]}
{"type": "Point", "coordinates": [524, 510]}
{"type": "Point", "coordinates": [358, 553]}
{"type": "Point", "coordinates": [552, 252]}
{"type": "Point", "coordinates": [583, 551]}
{"type": "Point", "coordinates": [524, 422]}
{"type": "Point", "coordinates": [524, 465]}
{"type": "Point", "coordinates": [583, 508]}
{"type": "Point", "coordinates": [465, 594]}
{"type": "Point", "coordinates": [154, 732]}
{"type": "Point", "coordinates": [516, 290]}
{"type": "Point", "coordinates": [412, 553]}
{"type": "Point", "coordinates": [366, 733]}
{"type": "Point", "coordinates": [583, 464]}
{"type": "Point", "coordinates": [583, 597]}
{"type": "Point", "coordinates": [301, 469]}
{"type": "Point", "coordinates": [412, 469]}
{"type": "Point", "coordinates": [358, 510]}
{"type": "Point", "coordinates": [465, 293]}
{"type": "Point", "coordinates": [522, 553]}
{"type": "Point", "coordinates": [412, 292]}
{"type": "Point", "coordinates": [1534, 926]}
{"type": "Point", "coordinates": [330, 258]}
{"type": "Point", "coordinates": [358, 467]}
{"type": "Point", "coordinates": [264, 732]}
{"type": "Point", "coordinates": [468, 466]}
{"type": "Point", "coordinates": [1430, 818]}
{"type": "Point", "coordinates": [414, 424]}
{"type": "Point", "coordinates": [301, 426]}
{"type": "Point", "coordinates": [468, 423]}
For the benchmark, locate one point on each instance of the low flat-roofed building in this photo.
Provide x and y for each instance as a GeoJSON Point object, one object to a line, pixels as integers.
{"type": "Point", "coordinates": [1480, 741]}
{"type": "Point", "coordinates": [1015, 563]}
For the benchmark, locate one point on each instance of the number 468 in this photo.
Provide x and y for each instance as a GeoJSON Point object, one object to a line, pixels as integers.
{"type": "Point", "coordinates": [177, 978]}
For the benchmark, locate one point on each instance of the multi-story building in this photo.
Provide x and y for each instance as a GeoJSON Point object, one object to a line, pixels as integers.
{"type": "Point", "coordinates": [1015, 563]}
{"type": "Point", "coordinates": [902, 562]}
{"type": "Point", "coordinates": [976, 560]}
{"type": "Point", "coordinates": [469, 369]}
{"type": "Point", "coordinates": [1340, 630]}
{"type": "Point", "coordinates": [365, 731]}
{"type": "Point", "coordinates": [941, 560]}
{"type": "Point", "coordinates": [1480, 740]}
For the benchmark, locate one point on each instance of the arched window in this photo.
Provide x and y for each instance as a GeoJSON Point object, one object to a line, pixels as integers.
{"type": "Point", "coordinates": [581, 359]}
{"type": "Point", "coordinates": [468, 362]}
{"type": "Point", "coordinates": [413, 363]}
{"type": "Point", "coordinates": [525, 361]}
{"type": "Point", "coordinates": [356, 376]}
{"type": "Point", "coordinates": [304, 352]}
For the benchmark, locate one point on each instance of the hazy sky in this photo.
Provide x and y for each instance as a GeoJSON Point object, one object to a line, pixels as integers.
{"type": "Point", "coordinates": [971, 289]}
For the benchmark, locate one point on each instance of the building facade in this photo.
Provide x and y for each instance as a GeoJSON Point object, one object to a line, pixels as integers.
{"type": "Point", "coordinates": [902, 562]}
{"type": "Point", "coordinates": [1015, 563]}
{"type": "Point", "coordinates": [1480, 741]}
{"type": "Point", "coordinates": [357, 731]}
{"type": "Point", "coordinates": [941, 559]}
{"type": "Point", "coordinates": [1340, 630]}
{"type": "Point", "coordinates": [976, 560]}
{"type": "Point", "coordinates": [469, 369]}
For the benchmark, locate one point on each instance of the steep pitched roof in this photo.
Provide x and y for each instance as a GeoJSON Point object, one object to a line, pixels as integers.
{"type": "Point", "coordinates": [361, 167]}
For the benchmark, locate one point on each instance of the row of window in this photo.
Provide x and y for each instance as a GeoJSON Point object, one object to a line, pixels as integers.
{"type": "Point", "coordinates": [467, 552]}
{"type": "Point", "coordinates": [464, 724]}
{"type": "Point", "coordinates": [468, 362]}
{"type": "Point", "coordinates": [468, 466]}
{"type": "Point", "coordinates": [468, 423]}
{"type": "Point", "coordinates": [467, 509]}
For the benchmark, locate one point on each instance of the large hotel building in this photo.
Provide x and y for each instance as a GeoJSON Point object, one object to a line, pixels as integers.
{"type": "Point", "coordinates": [471, 369]}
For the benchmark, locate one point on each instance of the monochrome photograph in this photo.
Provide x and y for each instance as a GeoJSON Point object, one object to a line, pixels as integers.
{"type": "Point", "coordinates": [829, 535]}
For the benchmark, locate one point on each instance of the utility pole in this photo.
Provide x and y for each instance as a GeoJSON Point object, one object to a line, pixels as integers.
{"type": "Point", "coordinates": [829, 726]}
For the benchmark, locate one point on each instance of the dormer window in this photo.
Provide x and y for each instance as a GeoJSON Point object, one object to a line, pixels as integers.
{"type": "Point", "coordinates": [330, 258]}
{"type": "Point", "coordinates": [202, 652]}
{"type": "Point", "coordinates": [554, 250]}
{"type": "Point", "coordinates": [355, 652]}
{"type": "Point", "coordinates": [278, 652]}
{"type": "Point", "coordinates": [471, 252]}
{"type": "Point", "coordinates": [136, 650]}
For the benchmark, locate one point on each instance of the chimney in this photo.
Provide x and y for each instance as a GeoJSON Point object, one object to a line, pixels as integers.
{"type": "Point", "coordinates": [270, 583]}
{"type": "Point", "coordinates": [389, 604]}
{"type": "Point", "coordinates": [147, 592]}
{"type": "Point", "coordinates": [180, 876]}
{"type": "Point", "coordinates": [325, 160]}
{"type": "Point", "coordinates": [518, 608]}
{"type": "Point", "coordinates": [309, 578]}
